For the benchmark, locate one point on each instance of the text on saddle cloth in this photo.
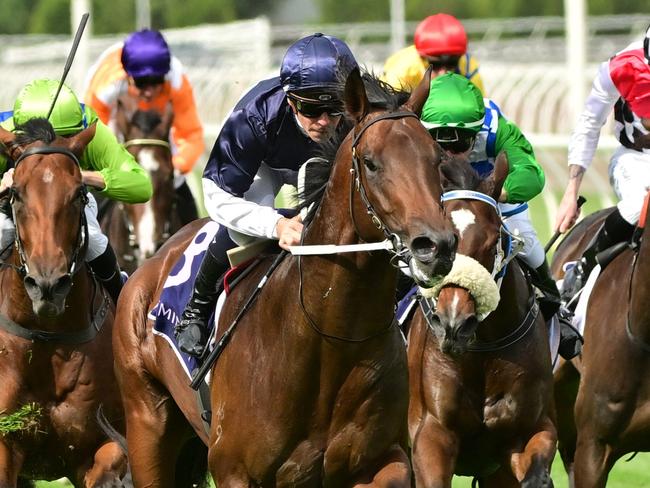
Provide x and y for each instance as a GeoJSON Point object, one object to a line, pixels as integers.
{"type": "Point", "coordinates": [167, 312]}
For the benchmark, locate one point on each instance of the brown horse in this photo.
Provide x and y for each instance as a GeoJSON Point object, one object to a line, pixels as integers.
{"type": "Point", "coordinates": [55, 324]}
{"type": "Point", "coordinates": [137, 231]}
{"type": "Point", "coordinates": [480, 390]}
{"type": "Point", "coordinates": [603, 400]}
{"type": "Point", "coordinates": [312, 389]}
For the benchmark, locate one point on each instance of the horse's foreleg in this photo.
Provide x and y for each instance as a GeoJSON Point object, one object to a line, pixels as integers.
{"type": "Point", "coordinates": [532, 466]}
{"type": "Point", "coordinates": [11, 460]}
{"type": "Point", "coordinates": [394, 471]}
{"type": "Point", "coordinates": [591, 466]}
{"type": "Point", "coordinates": [565, 389]}
{"type": "Point", "coordinates": [435, 450]}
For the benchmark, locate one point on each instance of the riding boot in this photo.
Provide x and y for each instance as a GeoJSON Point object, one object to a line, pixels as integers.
{"type": "Point", "coordinates": [549, 301]}
{"type": "Point", "coordinates": [108, 272]}
{"type": "Point", "coordinates": [615, 229]}
{"type": "Point", "coordinates": [192, 330]}
{"type": "Point", "coordinates": [549, 304]}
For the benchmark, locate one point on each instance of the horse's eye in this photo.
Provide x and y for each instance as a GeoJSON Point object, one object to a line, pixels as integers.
{"type": "Point", "coordinates": [370, 165]}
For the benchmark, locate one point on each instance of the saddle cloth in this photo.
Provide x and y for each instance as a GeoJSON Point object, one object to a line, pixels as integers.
{"type": "Point", "coordinates": [176, 293]}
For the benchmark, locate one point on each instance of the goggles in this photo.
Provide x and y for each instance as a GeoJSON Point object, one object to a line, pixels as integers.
{"type": "Point", "coordinates": [314, 110]}
{"type": "Point", "coordinates": [453, 140]}
{"type": "Point", "coordinates": [146, 81]}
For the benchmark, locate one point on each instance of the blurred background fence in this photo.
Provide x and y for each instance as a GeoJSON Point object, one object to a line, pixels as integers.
{"type": "Point", "coordinates": [522, 64]}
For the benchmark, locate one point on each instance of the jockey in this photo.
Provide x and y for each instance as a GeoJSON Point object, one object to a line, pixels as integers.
{"type": "Point", "coordinates": [622, 82]}
{"type": "Point", "coordinates": [441, 42]}
{"type": "Point", "coordinates": [142, 73]}
{"type": "Point", "coordinates": [276, 127]}
{"type": "Point", "coordinates": [464, 123]}
{"type": "Point", "coordinates": [105, 166]}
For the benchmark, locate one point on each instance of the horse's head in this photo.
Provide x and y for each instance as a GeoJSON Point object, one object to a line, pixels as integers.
{"type": "Point", "coordinates": [146, 136]}
{"type": "Point", "coordinates": [469, 292]}
{"type": "Point", "coordinates": [48, 199]}
{"type": "Point", "coordinates": [395, 180]}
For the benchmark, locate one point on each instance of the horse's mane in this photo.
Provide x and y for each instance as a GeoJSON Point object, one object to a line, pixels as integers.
{"type": "Point", "coordinates": [381, 96]}
{"type": "Point", "coordinates": [146, 120]}
{"type": "Point", "coordinates": [458, 174]}
{"type": "Point", "coordinates": [38, 129]}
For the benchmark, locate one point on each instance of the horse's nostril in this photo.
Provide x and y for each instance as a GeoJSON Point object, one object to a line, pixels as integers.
{"type": "Point", "coordinates": [62, 285]}
{"type": "Point", "coordinates": [424, 249]}
{"type": "Point", "coordinates": [30, 282]}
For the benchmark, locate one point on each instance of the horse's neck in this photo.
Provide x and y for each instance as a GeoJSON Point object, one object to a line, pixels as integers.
{"type": "Point", "coordinates": [513, 306]}
{"type": "Point", "coordinates": [361, 284]}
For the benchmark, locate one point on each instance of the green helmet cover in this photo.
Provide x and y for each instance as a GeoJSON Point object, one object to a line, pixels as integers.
{"type": "Point", "coordinates": [453, 101]}
{"type": "Point", "coordinates": [34, 101]}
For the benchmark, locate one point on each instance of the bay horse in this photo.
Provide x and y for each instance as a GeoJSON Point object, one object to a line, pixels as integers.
{"type": "Point", "coordinates": [603, 398]}
{"type": "Point", "coordinates": [312, 389]}
{"type": "Point", "coordinates": [55, 323]}
{"type": "Point", "coordinates": [136, 231]}
{"type": "Point", "coordinates": [480, 383]}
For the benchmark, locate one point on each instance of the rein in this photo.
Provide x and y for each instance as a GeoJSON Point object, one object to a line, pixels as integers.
{"type": "Point", "coordinates": [392, 242]}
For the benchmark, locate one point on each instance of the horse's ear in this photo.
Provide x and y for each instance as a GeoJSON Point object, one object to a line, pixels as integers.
{"type": "Point", "coordinates": [78, 142]}
{"type": "Point", "coordinates": [420, 94]}
{"type": "Point", "coordinates": [355, 98]}
{"type": "Point", "coordinates": [446, 171]}
{"type": "Point", "coordinates": [498, 176]}
{"type": "Point", "coordinates": [168, 118]}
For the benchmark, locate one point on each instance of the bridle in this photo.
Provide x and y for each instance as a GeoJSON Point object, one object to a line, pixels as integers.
{"type": "Point", "coordinates": [398, 248]}
{"type": "Point", "coordinates": [504, 253]}
{"type": "Point", "coordinates": [128, 223]}
{"type": "Point", "coordinates": [505, 250]}
{"type": "Point", "coordinates": [82, 236]}
{"type": "Point", "coordinates": [356, 183]}
{"type": "Point", "coordinates": [97, 317]}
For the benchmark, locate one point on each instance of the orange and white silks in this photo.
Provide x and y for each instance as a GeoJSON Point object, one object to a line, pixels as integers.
{"type": "Point", "coordinates": [107, 82]}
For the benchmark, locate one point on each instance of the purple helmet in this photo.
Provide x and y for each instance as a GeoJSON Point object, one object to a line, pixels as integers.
{"type": "Point", "coordinates": [316, 65]}
{"type": "Point", "coordinates": [145, 53]}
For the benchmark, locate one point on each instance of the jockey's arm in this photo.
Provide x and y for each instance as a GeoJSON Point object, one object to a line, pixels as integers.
{"type": "Point", "coordinates": [525, 178]}
{"type": "Point", "coordinates": [235, 159]}
{"type": "Point", "coordinates": [583, 143]}
{"type": "Point", "coordinates": [599, 104]}
{"type": "Point", "coordinates": [187, 131]}
{"type": "Point", "coordinates": [109, 163]}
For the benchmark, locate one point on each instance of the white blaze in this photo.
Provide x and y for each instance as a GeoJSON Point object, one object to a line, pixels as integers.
{"type": "Point", "coordinates": [462, 219]}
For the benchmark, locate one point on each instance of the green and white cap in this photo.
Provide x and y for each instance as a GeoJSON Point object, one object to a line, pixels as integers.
{"type": "Point", "coordinates": [453, 102]}
{"type": "Point", "coordinates": [34, 101]}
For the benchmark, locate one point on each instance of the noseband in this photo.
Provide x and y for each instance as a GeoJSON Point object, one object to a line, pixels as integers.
{"type": "Point", "coordinates": [82, 241]}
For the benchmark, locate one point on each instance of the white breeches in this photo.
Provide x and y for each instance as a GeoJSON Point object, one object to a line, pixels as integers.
{"type": "Point", "coordinates": [520, 224]}
{"type": "Point", "coordinates": [629, 174]}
